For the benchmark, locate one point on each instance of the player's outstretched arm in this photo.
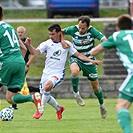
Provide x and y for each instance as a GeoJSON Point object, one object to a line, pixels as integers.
{"type": "Point", "coordinates": [85, 58]}
{"type": "Point", "coordinates": [31, 48]}
{"type": "Point", "coordinates": [23, 48]}
{"type": "Point", "coordinates": [96, 50]}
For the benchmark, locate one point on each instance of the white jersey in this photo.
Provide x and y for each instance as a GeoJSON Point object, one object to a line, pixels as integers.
{"type": "Point", "coordinates": [55, 55]}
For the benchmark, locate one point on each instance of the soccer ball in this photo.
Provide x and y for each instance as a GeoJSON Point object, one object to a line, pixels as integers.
{"type": "Point", "coordinates": [7, 114]}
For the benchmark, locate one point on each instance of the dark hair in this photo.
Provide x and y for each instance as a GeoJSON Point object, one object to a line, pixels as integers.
{"type": "Point", "coordinates": [84, 19]}
{"type": "Point", "coordinates": [54, 27]}
{"type": "Point", "coordinates": [124, 22]}
{"type": "Point", "coordinates": [1, 11]}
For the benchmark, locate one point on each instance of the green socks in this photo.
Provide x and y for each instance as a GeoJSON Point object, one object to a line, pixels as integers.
{"type": "Point", "coordinates": [124, 120]}
{"type": "Point", "coordinates": [75, 81]}
{"type": "Point", "coordinates": [19, 98]}
{"type": "Point", "coordinates": [99, 96]}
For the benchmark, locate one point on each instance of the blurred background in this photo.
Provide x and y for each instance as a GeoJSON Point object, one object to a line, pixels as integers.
{"type": "Point", "coordinates": [66, 7]}
{"type": "Point", "coordinates": [21, 10]}
{"type": "Point", "coordinates": [41, 4]}
{"type": "Point", "coordinates": [23, 4]}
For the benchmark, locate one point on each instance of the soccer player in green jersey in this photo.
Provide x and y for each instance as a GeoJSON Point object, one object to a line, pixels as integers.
{"type": "Point", "coordinates": [12, 66]}
{"type": "Point", "coordinates": [122, 41]}
{"type": "Point", "coordinates": [84, 36]}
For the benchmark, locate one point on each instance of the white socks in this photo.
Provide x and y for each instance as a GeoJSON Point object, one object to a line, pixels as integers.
{"type": "Point", "coordinates": [54, 103]}
{"type": "Point", "coordinates": [47, 98]}
{"type": "Point", "coordinates": [76, 94]}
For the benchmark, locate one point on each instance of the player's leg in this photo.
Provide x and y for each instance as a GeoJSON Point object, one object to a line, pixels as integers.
{"type": "Point", "coordinates": [15, 85]}
{"type": "Point", "coordinates": [123, 114]}
{"type": "Point", "coordinates": [59, 109]}
{"type": "Point", "coordinates": [47, 98]}
{"type": "Point", "coordinates": [90, 71]}
{"type": "Point", "coordinates": [123, 104]}
{"type": "Point", "coordinates": [45, 88]}
{"type": "Point", "coordinates": [99, 94]}
{"type": "Point", "coordinates": [16, 98]}
{"type": "Point", "coordinates": [13, 97]}
{"type": "Point", "coordinates": [75, 81]}
{"type": "Point", "coordinates": [3, 76]}
{"type": "Point", "coordinates": [56, 80]}
{"type": "Point", "coordinates": [24, 91]}
{"type": "Point", "coordinates": [47, 83]}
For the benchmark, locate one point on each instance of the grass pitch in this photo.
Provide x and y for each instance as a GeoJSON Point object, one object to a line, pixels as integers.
{"type": "Point", "coordinates": [75, 119]}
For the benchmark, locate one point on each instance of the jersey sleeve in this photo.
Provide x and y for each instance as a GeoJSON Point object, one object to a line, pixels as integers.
{"type": "Point", "coordinates": [72, 50]}
{"type": "Point", "coordinates": [108, 44]}
{"type": "Point", "coordinates": [96, 34]}
{"type": "Point", "coordinates": [42, 47]}
{"type": "Point", "coordinates": [69, 30]}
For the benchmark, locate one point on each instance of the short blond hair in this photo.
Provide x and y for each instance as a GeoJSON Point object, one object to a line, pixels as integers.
{"type": "Point", "coordinates": [21, 27]}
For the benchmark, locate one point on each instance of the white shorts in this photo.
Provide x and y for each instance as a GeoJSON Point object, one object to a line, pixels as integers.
{"type": "Point", "coordinates": [56, 78]}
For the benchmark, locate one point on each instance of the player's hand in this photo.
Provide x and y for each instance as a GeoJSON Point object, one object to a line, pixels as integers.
{"type": "Point", "coordinates": [28, 41]}
{"type": "Point", "coordinates": [26, 69]}
{"type": "Point", "coordinates": [64, 44]}
{"type": "Point", "coordinates": [97, 62]}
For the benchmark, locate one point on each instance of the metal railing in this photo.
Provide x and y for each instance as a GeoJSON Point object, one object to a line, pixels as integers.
{"type": "Point", "coordinates": [119, 4]}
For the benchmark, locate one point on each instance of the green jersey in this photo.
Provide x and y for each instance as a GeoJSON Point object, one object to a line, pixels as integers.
{"type": "Point", "coordinates": [84, 43]}
{"type": "Point", "coordinates": [9, 45]}
{"type": "Point", "coordinates": [122, 41]}
{"type": "Point", "coordinates": [12, 64]}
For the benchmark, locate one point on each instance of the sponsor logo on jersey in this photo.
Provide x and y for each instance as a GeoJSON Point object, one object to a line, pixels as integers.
{"type": "Point", "coordinates": [84, 41]}
{"type": "Point", "coordinates": [92, 75]}
{"type": "Point", "coordinates": [54, 58]}
{"type": "Point", "coordinates": [77, 41]}
{"type": "Point", "coordinates": [56, 55]}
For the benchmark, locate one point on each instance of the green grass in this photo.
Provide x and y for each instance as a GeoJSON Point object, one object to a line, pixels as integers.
{"type": "Point", "coordinates": [22, 14]}
{"type": "Point", "coordinates": [75, 119]}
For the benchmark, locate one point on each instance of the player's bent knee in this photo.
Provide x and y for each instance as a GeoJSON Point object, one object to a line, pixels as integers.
{"type": "Point", "coordinates": [47, 88]}
{"type": "Point", "coordinates": [74, 73]}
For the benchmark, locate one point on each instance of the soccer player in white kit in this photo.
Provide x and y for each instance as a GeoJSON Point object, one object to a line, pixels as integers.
{"type": "Point", "coordinates": [54, 71]}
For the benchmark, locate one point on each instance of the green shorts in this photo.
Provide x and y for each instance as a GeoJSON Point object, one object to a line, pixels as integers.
{"type": "Point", "coordinates": [12, 74]}
{"type": "Point", "coordinates": [89, 71]}
{"type": "Point", "coordinates": [126, 89]}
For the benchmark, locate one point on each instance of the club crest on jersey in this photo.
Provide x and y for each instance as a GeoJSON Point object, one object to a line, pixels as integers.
{"type": "Point", "coordinates": [57, 53]}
